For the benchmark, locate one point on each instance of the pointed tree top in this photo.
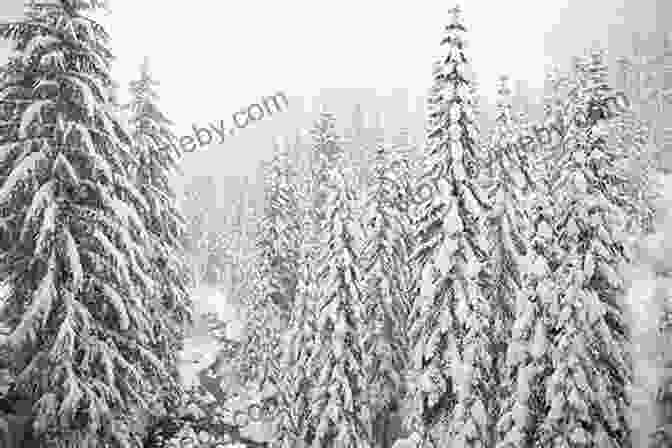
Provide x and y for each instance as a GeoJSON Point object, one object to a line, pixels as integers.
{"type": "Point", "coordinates": [597, 55]}
{"type": "Point", "coordinates": [455, 18]}
{"type": "Point", "coordinates": [455, 13]}
{"type": "Point", "coordinates": [145, 65]}
{"type": "Point", "coordinates": [279, 153]}
{"type": "Point", "coordinates": [504, 98]}
{"type": "Point", "coordinates": [279, 143]}
{"type": "Point", "coordinates": [504, 81]}
{"type": "Point", "coordinates": [324, 110]}
{"type": "Point", "coordinates": [380, 120]}
{"type": "Point", "coordinates": [595, 45]}
{"type": "Point", "coordinates": [596, 69]}
{"type": "Point", "coordinates": [503, 90]}
{"type": "Point", "coordinates": [579, 64]}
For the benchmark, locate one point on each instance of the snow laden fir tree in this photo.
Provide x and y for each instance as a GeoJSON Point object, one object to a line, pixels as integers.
{"type": "Point", "coordinates": [327, 151]}
{"type": "Point", "coordinates": [279, 230]}
{"type": "Point", "coordinates": [77, 251]}
{"type": "Point", "coordinates": [529, 257]}
{"type": "Point", "coordinates": [299, 343]}
{"type": "Point", "coordinates": [588, 389]}
{"type": "Point", "coordinates": [572, 334]}
{"type": "Point", "coordinates": [452, 318]}
{"type": "Point", "coordinates": [158, 158]}
{"type": "Point", "coordinates": [339, 410]}
{"type": "Point", "coordinates": [269, 308]}
{"type": "Point", "coordinates": [301, 339]}
{"type": "Point", "coordinates": [387, 282]}
{"type": "Point", "coordinates": [508, 230]}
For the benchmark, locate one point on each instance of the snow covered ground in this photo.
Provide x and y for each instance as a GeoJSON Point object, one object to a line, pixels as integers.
{"type": "Point", "coordinates": [200, 348]}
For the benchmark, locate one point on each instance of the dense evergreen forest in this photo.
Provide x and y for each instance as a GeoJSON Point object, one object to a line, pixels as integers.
{"type": "Point", "coordinates": [503, 283]}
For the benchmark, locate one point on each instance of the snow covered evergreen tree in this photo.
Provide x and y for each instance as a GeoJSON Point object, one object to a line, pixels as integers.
{"type": "Point", "coordinates": [76, 249]}
{"type": "Point", "coordinates": [208, 246]}
{"type": "Point", "coordinates": [511, 183]}
{"type": "Point", "coordinates": [627, 131]}
{"type": "Point", "coordinates": [293, 381]}
{"type": "Point", "coordinates": [587, 335]}
{"type": "Point", "coordinates": [155, 144]}
{"type": "Point", "coordinates": [528, 258]}
{"type": "Point", "coordinates": [300, 340]}
{"type": "Point", "coordinates": [268, 310]}
{"type": "Point", "coordinates": [508, 229]}
{"type": "Point", "coordinates": [387, 282]}
{"type": "Point", "coordinates": [327, 150]}
{"type": "Point", "coordinates": [279, 230]}
{"type": "Point", "coordinates": [339, 414]}
{"type": "Point", "coordinates": [260, 325]}
{"type": "Point", "coordinates": [548, 136]}
{"type": "Point", "coordinates": [451, 355]}
{"type": "Point", "coordinates": [406, 164]}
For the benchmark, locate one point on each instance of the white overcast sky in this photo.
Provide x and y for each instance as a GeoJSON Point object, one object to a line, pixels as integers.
{"type": "Point", "coordinates": [214, 57]}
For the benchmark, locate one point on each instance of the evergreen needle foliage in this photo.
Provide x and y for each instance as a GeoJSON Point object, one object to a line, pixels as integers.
{"type": "Point", "coordinates": [76, 249]}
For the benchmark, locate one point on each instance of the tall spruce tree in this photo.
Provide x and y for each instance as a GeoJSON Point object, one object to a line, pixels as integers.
{"type": "Point", "coordinates": [294, 381]}
{"type": "Point", "coordinates": [155, 144]}
{"type": "Point", "coordinates": [511, 182]}
{"type": "Point", "coordinates": [526, 257]}
{"type": "Point", "coordinates": [628, 131]}
{"type": "Point", "coordinates": [207, 245]}
{"type": "Point", "coordinates": [586, 335]}
{"type": "Point", "coordinates": [76, 248]}
{"type": "Point", "coordinates": [278, 238]}
{"type": "Point", "coordinates": [451, 354]}
{"type": "Point", "coordinates": [300, 339]}
{"type": "Point", "coordinates": [386, 282]}
{"type": "Point", "coordinates": [326, 151]}
{"type": "Point", "coordinates": [508, 229]}
{"type": "Point", "coordinates": [268, 311]}
{"type": "Point", "coordinates": [339, 414]}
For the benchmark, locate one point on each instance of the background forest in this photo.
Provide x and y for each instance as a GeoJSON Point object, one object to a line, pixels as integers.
{"type": "Point", "coordinates": [458, 281]}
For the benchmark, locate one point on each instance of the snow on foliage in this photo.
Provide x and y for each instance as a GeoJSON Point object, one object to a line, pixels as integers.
{"type": "Point", "coordinates": [451, 315]}
{"type": "Point", "coordinates": [512, 262]}
{"type": "Point", "coordinates": [155, 144]}
{"type": "Point", "coordinates": [339, 412]}
{"type": "Point", "coordinates": [278, 240]}
{"type": "Point", "coordinates": [87, 350]}
{"type": "Point", "coordinates": [589, 371]}
{"type": "Point", "coordinates": [386, 279]}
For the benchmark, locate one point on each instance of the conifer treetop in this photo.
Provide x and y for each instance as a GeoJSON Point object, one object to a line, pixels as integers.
{"type": "Point", "coordinates": [450, 310]}
{"type": "Point", "coordinates": [587, 311]}
{"type": "Point", "coordinates": [504, 98]}
{"type": "Point", "coordinates": [456, 17]}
